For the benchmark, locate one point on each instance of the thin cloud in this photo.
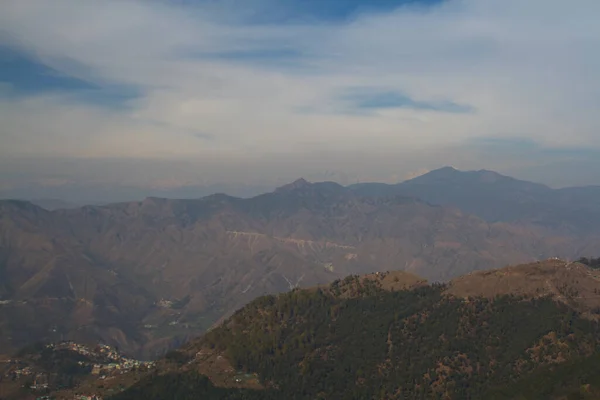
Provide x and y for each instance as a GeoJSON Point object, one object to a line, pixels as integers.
{"type": "Point", "coordinates": [191, 80]}
{"type": "Point", "coordinates": [369, 99]}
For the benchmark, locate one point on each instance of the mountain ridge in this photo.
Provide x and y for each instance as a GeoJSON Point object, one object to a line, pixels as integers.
{"type": "Point", "coordinates": [499, 198]}
{"type": "Point", "coordinates": [150, 274]}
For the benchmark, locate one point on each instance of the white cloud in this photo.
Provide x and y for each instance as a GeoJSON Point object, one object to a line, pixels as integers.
{"type": "Point", "coordinates": [529, 69]}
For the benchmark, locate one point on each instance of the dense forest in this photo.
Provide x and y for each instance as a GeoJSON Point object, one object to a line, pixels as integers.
{"type": "Point", "coordinates": [590, 262]}
{"type": "Point", "coordinates": [357, 341]}
{"type": "Point", "coordinates": [578, 379]}
{"type": "Point", "coordinates": [188, 386]}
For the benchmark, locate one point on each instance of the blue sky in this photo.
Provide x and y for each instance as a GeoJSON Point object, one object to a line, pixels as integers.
{"type": "Point", "coordinates": [296, 11]}
{"type": "Point", "coordinates": [265, 91]}
{"type": "Point", "coordinates": [27, 75]}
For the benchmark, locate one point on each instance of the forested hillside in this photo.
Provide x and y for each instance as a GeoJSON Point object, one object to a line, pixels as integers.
{"type": "Point", "coordinates": [355, 340]}
{"type": "Point", "coordinates": [591, 262]}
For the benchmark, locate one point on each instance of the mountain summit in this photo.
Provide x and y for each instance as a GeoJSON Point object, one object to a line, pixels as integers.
{"type": "Point", "coordinates": [496, 197]}
{"type": "Point", "coordinates": [452, 176]}
{"type": "Point", "coordinates": [297, 184]}
{"type": "Point", "coordinates": [437, 174]}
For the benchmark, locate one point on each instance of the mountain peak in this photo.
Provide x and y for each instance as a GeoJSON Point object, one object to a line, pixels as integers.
{"type": "Point", "coordinates": [451, 174]}
{"type": "Point", "coordinates": [488, 176]}
{"type": "Point", "coordinates": [297, 184]}
{"type": "Point", "coordinates": [447, 171]}
{"type": "Point", "coordinates": [447, 168]}
{"type": "Point", "coordinates": [437, 174]}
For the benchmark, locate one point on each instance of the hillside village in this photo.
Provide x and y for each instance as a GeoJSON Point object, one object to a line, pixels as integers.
{"type": "Point", "coordinates": [55, 365]}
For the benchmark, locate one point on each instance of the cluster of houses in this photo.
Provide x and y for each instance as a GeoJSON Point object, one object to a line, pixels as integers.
{"type": "Point", "coordinates": [165, 303]}
{"type": "Point", "coordinates": [40, 380]}
{"type": "Point", "coordinates": [39, 386]}
{"type": "Point", "coordinates": [112, 362]}
{"type": "Point", "coordinates": [104, 361]}
{"type": "Point", "coordinates": [16, 369]}
{"type": "Point", "coordinates": [76, 397]}
{"type": "Point", "coordinates": [20, 372]}
{"type": "Point", "coordinates": [101, 350]}
{"type": "Point", "coordinates": [124, 365]}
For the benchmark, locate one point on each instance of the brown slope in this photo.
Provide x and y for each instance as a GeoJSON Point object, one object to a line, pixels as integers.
{"type": "Point", "coordinates": [571, 283]}
{"type": "Point", "coordinates": [352, 285]}
{"type": "Point", "coordinates": [53, 290]}
{"type": "Point", "coordinates": [210, 256]}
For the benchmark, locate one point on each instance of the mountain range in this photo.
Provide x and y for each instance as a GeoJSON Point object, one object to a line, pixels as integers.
{"type": "Point", "coordinates": [149, 275]}
{"type": "Point", "coordinates": [495, 197]}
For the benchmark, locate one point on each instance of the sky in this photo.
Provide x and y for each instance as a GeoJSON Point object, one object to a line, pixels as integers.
{"type": "Point", "coordinates": [163, 95]}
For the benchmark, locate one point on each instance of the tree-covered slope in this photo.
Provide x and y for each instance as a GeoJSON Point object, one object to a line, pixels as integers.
{"type": "Point", "coordinates": [188, 386]}
{"type": "Point", "coordinates": [591, 262]}
{"type": "Point", "coordinates": [379, 344]}
{"type": "Point", "coordinates": [578, 379]}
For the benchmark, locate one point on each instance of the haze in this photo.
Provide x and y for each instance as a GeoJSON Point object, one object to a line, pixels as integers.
{"type": "Point", "coordinates": [146, 96]}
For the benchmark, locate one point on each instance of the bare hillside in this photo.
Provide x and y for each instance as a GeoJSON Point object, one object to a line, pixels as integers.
{"type": "Point", "coordinates": [571, 283]}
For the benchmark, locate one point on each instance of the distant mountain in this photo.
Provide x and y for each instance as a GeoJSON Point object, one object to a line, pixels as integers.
{"type": "Point", "coordinates": [146, 276]}
{"type": "Point", "coordinates": [54, 204]}
{"type": "Point", "coordinates": [97, 193]}
{"type": "Point", "coordinates": [392, 336]}
{"type": "Point", "coordinates": [495, 197]}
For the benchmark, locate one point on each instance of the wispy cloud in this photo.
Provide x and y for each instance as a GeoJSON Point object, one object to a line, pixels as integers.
{"type": "Point", "coordinates": [198, 79]}
{"type": "Point", "coordinates": [369, 99]}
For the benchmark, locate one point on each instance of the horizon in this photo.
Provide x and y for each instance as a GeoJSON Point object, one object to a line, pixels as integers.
{"type": "Point", "coordinates": [239, 191]}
